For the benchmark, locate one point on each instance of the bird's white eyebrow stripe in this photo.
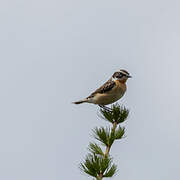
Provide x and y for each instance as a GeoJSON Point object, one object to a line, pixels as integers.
{"type": "Point", "coordinates": [123, 72]}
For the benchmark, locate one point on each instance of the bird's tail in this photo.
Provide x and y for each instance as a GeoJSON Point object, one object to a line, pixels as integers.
{"type": "Point", "coordinates": [81, 101]}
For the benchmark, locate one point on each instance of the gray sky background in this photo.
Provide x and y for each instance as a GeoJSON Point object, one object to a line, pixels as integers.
{"type": "Point", "coordinates": [54, 52]}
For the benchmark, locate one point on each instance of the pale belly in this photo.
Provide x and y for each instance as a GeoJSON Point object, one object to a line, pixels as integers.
{"type": "Point", "coordinates": [108, 98]}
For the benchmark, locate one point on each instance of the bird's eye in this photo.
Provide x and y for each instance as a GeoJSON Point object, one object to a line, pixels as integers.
{"type": "Point", "coordinates": [121, 75]}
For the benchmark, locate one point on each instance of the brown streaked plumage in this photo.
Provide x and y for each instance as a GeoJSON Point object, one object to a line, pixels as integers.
{"type": "Point", "coordinates": [104, 88]}
{"type": "Point", "coordinates": [109, 92]}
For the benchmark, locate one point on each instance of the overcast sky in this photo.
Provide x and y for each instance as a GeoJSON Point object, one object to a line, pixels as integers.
{"type": "Point", "coordinates": [54, 52]}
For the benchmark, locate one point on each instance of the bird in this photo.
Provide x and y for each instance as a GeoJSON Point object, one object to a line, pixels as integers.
{"type": "Point", "coordinates": [110, 92]}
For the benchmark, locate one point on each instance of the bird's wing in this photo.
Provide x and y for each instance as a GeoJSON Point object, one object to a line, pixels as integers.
{"type": "Point", "coordinates": [104, 88]}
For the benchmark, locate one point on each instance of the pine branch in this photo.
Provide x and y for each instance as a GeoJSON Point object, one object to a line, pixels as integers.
{"type": "Point", "coordinates": [95, 149]}
{"type": "Point", "coordinates": [118, 114]}
{"type": "Point", "coordinates": [97, 163]}
{"type": "Point", "coordinates": [106, 154]}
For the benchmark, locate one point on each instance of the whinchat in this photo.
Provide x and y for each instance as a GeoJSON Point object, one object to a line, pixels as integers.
{"type": "Point", "coordinates": [109, 92]}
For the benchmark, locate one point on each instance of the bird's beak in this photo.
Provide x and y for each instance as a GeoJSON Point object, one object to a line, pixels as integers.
{"type": "Point", "coordinates": [129, 76]}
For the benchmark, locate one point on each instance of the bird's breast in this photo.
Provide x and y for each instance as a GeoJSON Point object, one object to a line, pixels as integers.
{"type": "Point", "coordinates": [120, 86]}
{"type": "Point", "coordinates": [117, 92]}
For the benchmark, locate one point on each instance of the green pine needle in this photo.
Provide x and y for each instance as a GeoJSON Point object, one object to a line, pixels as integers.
{"type": "Point", "coordinates": [95, 149]}
{"type": "Point", "coordinates": [95, 165]}
{"type": "Point", "coordinates": [110, 172]}
{"type": "Point", "coordinates": [119, 132]}
{"type": "Point", "coordinates": [102, 134]}
{"type": "Point", "coordinates": [118, 114]}
{"type": "Point", "coordinates": [106, 136]}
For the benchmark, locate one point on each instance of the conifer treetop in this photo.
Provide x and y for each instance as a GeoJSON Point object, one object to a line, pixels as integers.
{"type": "Point", "coordinates": [99, 164]}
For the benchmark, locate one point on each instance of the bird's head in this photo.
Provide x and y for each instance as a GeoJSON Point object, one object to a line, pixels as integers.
{"type": "Point", "coordinates": [121, 75]}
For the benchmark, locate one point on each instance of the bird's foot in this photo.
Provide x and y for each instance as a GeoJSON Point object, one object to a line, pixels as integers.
{"type": "Point", "coordinates": [105, 108]}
